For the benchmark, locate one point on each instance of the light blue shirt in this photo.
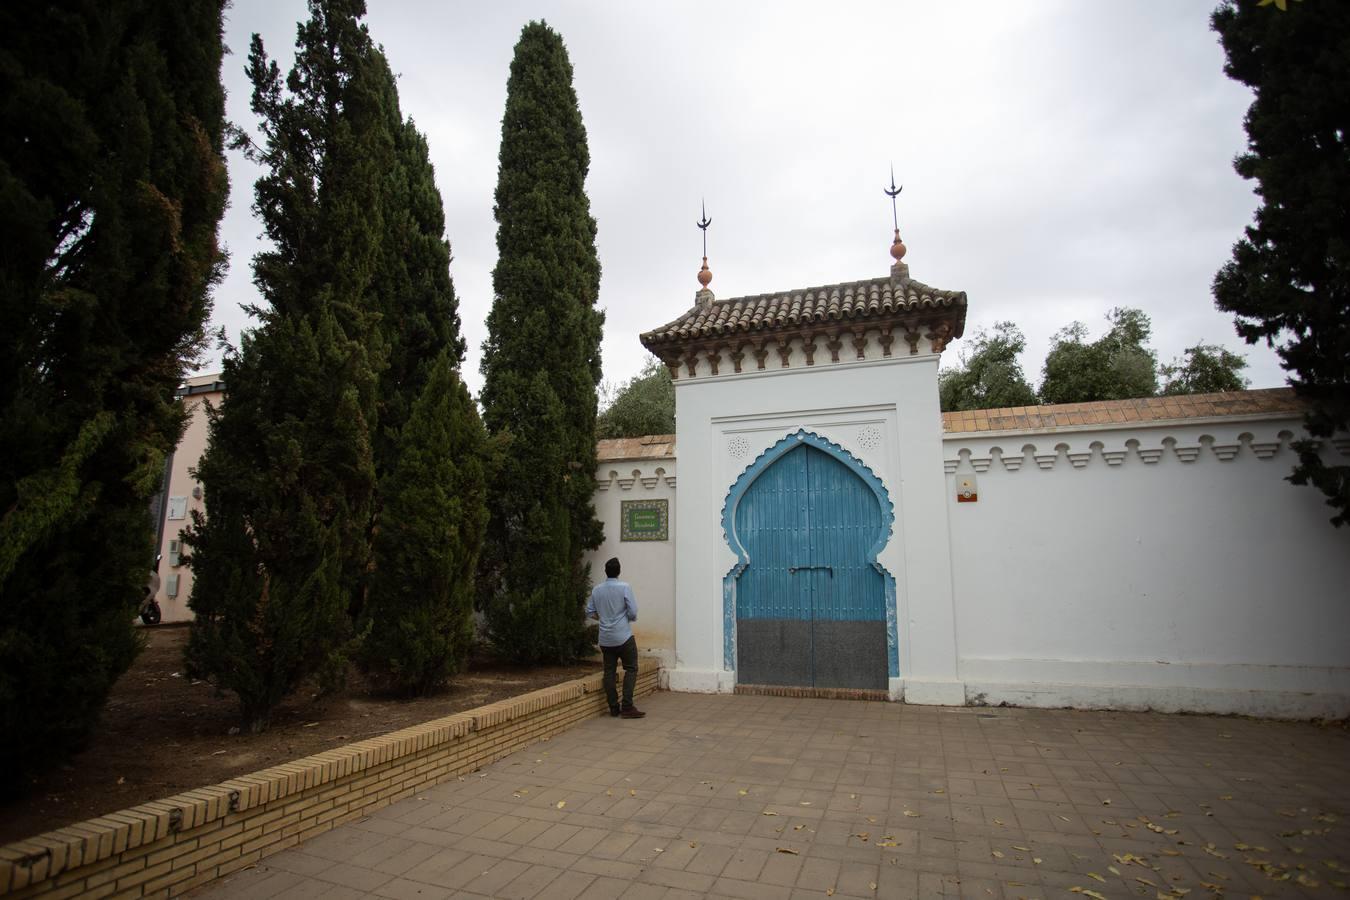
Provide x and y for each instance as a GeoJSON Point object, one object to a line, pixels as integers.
{"type": "Point", "coordinates": [613, 604]}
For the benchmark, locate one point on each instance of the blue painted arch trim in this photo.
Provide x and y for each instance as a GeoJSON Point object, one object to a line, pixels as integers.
{"type": "Point", "coordinates": [733, 499]}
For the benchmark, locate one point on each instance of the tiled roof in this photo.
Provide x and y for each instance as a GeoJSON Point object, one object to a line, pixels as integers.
{"type": "Point", "coordinates": [651, 446]}
{"type": "Point", "coordinates": [876, 298]}
{"type": "Point", "coordinates": [1113, 412]}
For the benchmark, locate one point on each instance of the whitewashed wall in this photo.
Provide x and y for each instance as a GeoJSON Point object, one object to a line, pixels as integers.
{"type": "Point", "coordinates": [649, 566]}
{"type": "Point", "coordinates": [1169, 567]}
{"type": "Point", "coordinates": [883, 411]}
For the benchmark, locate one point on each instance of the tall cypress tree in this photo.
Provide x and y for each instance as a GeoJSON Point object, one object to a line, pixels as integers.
{"type": "Point", "coordinates": [541, 363]}
{"type": "Point", "coordinates": [112, 186]}
{"type": "Point", "coordinates": [282, 556]}
{"type": "Point", "coordinates": [1289, 280]}
{"type": "Point", "coordinates": [420, 613]}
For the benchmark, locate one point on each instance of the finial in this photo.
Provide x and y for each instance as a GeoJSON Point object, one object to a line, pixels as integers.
{"type": "Point", "coordinates": [898, 248]}
{"type": "Point", "coordinates": [704, 274]}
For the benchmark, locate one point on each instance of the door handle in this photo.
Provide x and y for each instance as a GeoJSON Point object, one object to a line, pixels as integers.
{"type": "Point", "coordinates": [793, 570]}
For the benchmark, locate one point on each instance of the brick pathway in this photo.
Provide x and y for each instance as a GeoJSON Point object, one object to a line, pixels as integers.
{"type": "Point", "coordinates": [771, 797]}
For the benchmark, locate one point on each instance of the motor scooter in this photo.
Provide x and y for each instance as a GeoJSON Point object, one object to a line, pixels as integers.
{"type": "Point", "coordinates": [150, 612]}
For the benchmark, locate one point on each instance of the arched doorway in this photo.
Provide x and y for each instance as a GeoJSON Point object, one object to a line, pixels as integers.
{"type": "Point", "coordinates": [810, 601]}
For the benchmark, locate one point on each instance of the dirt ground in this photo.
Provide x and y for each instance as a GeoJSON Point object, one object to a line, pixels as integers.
{"type": "Point", "coordinates": [162, 733]}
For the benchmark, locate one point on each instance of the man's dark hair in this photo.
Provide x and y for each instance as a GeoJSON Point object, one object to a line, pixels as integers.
{"type": "Point", "coordinates": [612, 567]}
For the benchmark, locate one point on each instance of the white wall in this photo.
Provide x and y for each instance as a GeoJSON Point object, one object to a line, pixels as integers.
{"type": "Point", "coordinates": [724, 422]}
{"type": "Point", "coordinates": [1091, 577]}
{"type": "Point", "coordinates": [649, 566]}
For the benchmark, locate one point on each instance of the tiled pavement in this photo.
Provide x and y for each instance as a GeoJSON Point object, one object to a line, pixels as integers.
{"type": "Point", "coordinates": [769, 797]}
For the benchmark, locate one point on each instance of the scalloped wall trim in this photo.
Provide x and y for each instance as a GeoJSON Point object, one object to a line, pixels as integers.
{"type": "Point", "coordinates": [1015, 451]}
{"type": "Point", "coordinates": [626, 476]}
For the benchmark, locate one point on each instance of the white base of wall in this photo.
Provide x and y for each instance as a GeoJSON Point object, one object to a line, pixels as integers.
{"type": "Point", "coordinates": [1265, 704]}
{"type": "Point", "coordinates": [895, 689]}
{"type": "Point", "coordinates": [930, 693]}
{"type": "Point", "coordinates": [702, 681]}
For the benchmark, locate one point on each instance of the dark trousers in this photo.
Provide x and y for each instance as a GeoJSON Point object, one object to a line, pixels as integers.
{"type": "Point", "coordinates": [627, 652]}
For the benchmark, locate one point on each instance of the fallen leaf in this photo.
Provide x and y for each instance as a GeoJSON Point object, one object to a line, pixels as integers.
{"type": "Point", "coordinates": [632, 793]}
{"type": "Point", "coordinates": [872, 885]}
{"type": "Point", "coordinates": [1065, 818]}
{"type": "Point", "coordinates": [1097, 877]}
{"type": "Point", "coordinates": [829, 892]}
{"type": "Point", "coordinates": [311, 724]}
{"type": "Point", "coordinates": [1086, 893]}
{"type": "Point", "coordinates": [693, 843]}
{"type": "Point", "coordinates": [787, 850]}
{"type": "Point", "coordinates": [1023, 849]}
{"type": "Point", "coordinates": [743, 792]}
{"type": "Point", "coordinates": [768, 812]}
{"type": "Point", "coordinates": [998, 821]}
{"type": "Point", "coordinates": [1036, 860]}
{"type": "Point", "coordinates": [561, 804]}
{"type": "Point", "coordinates": [911, 813]}
{"type": "Point", "coordinates": [853, 796]}
{"type": "Point", "coordinates": [1113, 870]}
{"type": "Point", "coordinates": [1106, 803]}
{"type": "Point", "coordinates": [998, 854]}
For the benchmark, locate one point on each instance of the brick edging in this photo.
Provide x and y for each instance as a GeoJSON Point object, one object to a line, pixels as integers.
{"type": "Point", "coordinates": [165, 847]}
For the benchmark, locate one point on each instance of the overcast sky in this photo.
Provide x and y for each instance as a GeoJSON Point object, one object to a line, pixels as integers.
{"type": "Point", "coordinates": [1058, 158]}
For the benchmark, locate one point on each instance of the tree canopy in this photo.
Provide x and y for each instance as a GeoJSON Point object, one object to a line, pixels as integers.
{"type": "Point", "coordinates": [989, 375]}
{"type": "Point", "coordinates": [112, 182]}
{"type": "Point", "coordinates": [1204, 369]}
{"type": "Point", "coordinates": [1116, 366]}
{"type": "Point", "coordinates": [541, 364]}
{"type": "Point", "coordinates": [359, 315]}
{"type": "Point", "coordinates": [1288, 283]}
{"type": "Point", "coordinates": [645, 404]}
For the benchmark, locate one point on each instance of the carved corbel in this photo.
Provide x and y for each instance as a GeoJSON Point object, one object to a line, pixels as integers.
{"type": "Point", "coordinates": [714, 355]}
{"type": "Point", "coordinates": [912, 338]}
{"type": "Point", "coordinates": [835, 345]}
{"type": "Point", "coordinates": [885, 340]}
{"type": "Point", "coordinates": [860, 341]}
{"type": "Point", "coordinates": [785, 351]}
{"type": "Point", "coordinates": [737, 357]}
{"type": "Point", "coordinates": [762, 352]}
{"type": "Point", "coordinates": [939, 336]}
{"type": "Point", "coordinates": [809, 348]}
{"type": "Point", "coordinates": [691, 362]}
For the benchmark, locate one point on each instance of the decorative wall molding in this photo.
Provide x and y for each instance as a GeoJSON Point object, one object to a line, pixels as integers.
{"type": "Point", "coordinates": [1116, 447]}
{"type": "Point", "coordinates": [642, 478]}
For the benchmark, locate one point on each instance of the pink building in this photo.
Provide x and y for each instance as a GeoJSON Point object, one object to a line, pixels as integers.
{"type": "Point", "coordinates": [182, 495]}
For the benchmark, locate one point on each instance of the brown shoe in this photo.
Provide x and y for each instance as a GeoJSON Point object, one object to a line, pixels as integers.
{"type": "Point", "coordinates": [632, 712]}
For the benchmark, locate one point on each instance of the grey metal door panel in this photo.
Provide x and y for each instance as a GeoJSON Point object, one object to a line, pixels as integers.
{"type": "Point", "coordinates": [774, 651]}
{"type": "Point", "coordinates": [850, 654]}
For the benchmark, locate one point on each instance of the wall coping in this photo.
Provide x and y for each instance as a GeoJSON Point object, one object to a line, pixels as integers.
{"type": "Point", "coordinates": [80, 844]}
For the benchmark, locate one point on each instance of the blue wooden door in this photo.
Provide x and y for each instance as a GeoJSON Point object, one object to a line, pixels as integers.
{"type": "Point", "coordinates": [810, 608]}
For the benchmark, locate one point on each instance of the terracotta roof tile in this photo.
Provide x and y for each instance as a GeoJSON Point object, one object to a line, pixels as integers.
{"type": "Point", "coordinates": [876, 298]}
{"type": "Point", "coordinates": [1145, 409]}
{"type": "Point", "coordinates": [651, 446]}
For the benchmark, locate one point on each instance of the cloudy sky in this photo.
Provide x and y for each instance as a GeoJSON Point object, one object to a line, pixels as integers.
{"type": "Point", "coordinates": [1058, 158]}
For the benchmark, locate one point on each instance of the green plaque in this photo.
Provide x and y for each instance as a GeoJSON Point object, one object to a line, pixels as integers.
{"type": "Point", "coordinates": [644, 520]}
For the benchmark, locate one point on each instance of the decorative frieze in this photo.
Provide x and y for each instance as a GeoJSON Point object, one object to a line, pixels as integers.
{"type": "Point", "coordinates": [980, 456]}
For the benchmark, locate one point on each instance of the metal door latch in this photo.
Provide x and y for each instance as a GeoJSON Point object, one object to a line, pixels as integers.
{"type": "Point", "coordinates": [793, 570]}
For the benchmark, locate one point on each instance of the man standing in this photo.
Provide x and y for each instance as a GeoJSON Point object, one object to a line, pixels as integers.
{"type": "Point", "coordinates": [613, 604]}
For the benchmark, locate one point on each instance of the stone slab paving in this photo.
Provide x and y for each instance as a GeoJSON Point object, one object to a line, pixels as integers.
{"type": "Point", "coordinates": [774, 797]}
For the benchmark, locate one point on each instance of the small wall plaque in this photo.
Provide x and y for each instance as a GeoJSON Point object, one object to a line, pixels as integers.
{"type": "Point", "coordinates": [644, 520]}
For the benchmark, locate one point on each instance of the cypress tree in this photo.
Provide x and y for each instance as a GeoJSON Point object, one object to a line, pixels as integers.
{"type": "Point", "coordinates": [1288, 283]}
{"type": "Point", "coordinates": [282, 555]}
{"type": "Point", "coordinates": [420, 612]}
{"type": "Point", "coordinates": [112, 186]}
{"type": "Point", "coordinates": [541, 364]}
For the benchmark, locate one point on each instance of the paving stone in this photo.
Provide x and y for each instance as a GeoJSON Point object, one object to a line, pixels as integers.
{"type": "Point", "coordinates": [1027, 784]}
